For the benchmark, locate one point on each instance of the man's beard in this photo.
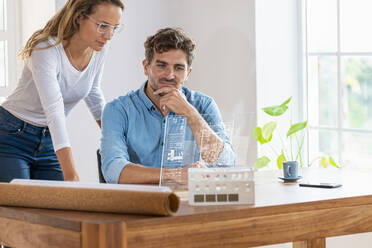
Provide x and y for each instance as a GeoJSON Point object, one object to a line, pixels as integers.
{"type": "Point", "coordinates": [155, 88]}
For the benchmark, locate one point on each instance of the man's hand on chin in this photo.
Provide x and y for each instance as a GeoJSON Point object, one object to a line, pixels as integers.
{"type": "Point", "coordinates": [174, 100]}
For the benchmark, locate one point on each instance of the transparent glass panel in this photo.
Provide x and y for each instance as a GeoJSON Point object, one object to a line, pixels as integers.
{"type": "Point", "coordinates": [2, 15]}
{"type": "Point", "coordinates": [322, 90]}
{"type": "Point", "coordinates": [182, 151]}
{"type": "Point", "coordinates": [355, 25]}
{"type": "Point", "coordinates": [357, 149]}
{"type": "Point", "coordinates": [322, 143]}
{"type": "Point", "coordinates": [357, 92]}
{"type": "Point", "coordinates": [322, 25]}
{"type": "Point", "coordinates": [3, 63]}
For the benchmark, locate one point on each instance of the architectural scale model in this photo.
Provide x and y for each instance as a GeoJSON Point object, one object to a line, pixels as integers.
{"type": "Point", "coordinates": [221, 186]}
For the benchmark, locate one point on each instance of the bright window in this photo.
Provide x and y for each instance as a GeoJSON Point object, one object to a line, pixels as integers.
{"type": "Point", "coordinates": [3, 44]}
{"type": "Point", "coordinates": [339, 79]}
{"type": "Point", "coordinates": [8, 31]}
{"type": "Point", "coordinates": [19, 19]}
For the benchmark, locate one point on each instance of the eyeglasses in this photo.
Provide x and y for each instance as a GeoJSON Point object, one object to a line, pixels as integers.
{"type": "Point", "coordinates": [104, 28]}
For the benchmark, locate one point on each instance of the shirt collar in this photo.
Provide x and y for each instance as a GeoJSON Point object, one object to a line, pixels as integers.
{"type": "Point", "coordinates": [146, 100]}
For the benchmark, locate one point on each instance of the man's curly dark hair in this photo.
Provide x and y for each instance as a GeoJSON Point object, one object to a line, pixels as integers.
{"type": "Point", "coordinates": [167, 39]}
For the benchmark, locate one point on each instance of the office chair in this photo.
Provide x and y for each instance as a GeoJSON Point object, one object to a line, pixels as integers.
{"type": "Point", "coordinates": [100, 175]}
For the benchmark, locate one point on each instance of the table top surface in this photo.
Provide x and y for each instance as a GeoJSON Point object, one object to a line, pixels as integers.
{"type": "Point", "coordinates": [271, 196]}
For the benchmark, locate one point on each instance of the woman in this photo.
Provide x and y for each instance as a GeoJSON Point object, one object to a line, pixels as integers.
{"type": "Point", "coordinates": [63, 64]}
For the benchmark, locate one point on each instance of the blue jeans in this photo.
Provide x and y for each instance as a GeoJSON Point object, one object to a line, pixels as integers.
{"type": "Point", "coordinates": [26, 151]}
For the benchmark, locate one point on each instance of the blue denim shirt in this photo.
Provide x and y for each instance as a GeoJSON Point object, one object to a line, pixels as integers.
{"type": "Point", "coordinates": [134, 131]}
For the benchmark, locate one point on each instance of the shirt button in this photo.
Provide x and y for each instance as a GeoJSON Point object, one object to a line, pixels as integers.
{"type": "Point", "coordinates": [162, 143]}
{"type": "Point", "coordinates": [163, 121]}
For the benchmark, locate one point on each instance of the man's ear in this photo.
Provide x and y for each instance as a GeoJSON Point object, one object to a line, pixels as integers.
{"type": "Point", "coordinates": [188, 73]}
{"type": "Point", "coordinates": [145, 67]}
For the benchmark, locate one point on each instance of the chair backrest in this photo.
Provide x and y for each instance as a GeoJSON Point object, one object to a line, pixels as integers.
{"type": "Point", "coordinates": [100, 175]}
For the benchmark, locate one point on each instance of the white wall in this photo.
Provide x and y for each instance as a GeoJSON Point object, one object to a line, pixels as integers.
{"type": "Point", "coordinates": [59, 4]}
{"type": "Point", "coordinates": [278, 51]}
{"type": "Point", "coordinates": [30, 24]}
{"type": "Point", "coordinates": [279, 61]}
{"type": "Point", "coordinates": [224, 67]}
{"type": "Point", "coordinates": [276, 58]}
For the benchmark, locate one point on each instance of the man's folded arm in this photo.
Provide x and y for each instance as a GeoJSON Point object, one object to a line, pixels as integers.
{"type": "Point", "coordinates": [137, 173]}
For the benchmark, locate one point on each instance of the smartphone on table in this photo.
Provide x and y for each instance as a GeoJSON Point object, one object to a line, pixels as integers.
{"type": "Point", "coordinates": [320, 185]}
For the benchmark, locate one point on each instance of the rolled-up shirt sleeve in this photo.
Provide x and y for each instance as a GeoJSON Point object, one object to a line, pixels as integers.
{"type": "Point", "coordinates": [44, 67]}
{"type": "Point", "coordinates": [114, 150]}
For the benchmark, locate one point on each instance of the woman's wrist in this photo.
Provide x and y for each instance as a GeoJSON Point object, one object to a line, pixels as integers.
{"type": "Point", "coordinates": [71, 175]}
{"type": "Point", "coordinates": [67, 164]}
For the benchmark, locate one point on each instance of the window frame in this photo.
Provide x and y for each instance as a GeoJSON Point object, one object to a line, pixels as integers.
{"type": "Point", "coordinates": [12, 36]}
{"type": "Point", "coordinates": [339, 55]}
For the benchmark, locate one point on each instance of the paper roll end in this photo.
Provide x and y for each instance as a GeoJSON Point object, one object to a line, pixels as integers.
{"type": "Point", "coordinates": [174, 203]}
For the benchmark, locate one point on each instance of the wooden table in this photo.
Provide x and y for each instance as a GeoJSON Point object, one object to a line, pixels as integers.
{"type": "Point", "coordinates": [282, 213]}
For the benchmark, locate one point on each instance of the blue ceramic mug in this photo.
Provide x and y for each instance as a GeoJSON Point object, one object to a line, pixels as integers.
{"type": "Point", "coordinates": [290, 169]}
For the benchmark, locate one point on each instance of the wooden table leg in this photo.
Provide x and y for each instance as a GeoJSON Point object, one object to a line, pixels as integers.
{"type": "Point", "coordinates": [314, 243]}
{"type": "Point", "coordinates": [109, 235]}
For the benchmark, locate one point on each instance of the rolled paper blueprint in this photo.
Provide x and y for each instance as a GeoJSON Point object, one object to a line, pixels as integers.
{"type": "Point", "coordinates": [113, 198]}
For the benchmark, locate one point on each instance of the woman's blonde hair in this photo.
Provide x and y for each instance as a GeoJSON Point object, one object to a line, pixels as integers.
{"type": "Point", "coordinates": [64, 23]}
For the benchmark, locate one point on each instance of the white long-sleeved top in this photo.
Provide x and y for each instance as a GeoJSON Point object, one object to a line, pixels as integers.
{"type": "Point", "coordinates": [50, 87]}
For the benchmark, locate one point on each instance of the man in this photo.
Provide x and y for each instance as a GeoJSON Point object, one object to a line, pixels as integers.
{"type": "Point", "coordinates": [134, 125]}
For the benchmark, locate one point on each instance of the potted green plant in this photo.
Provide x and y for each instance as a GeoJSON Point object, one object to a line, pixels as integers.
{"type": "Point", "coordinates": [295, 136]}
